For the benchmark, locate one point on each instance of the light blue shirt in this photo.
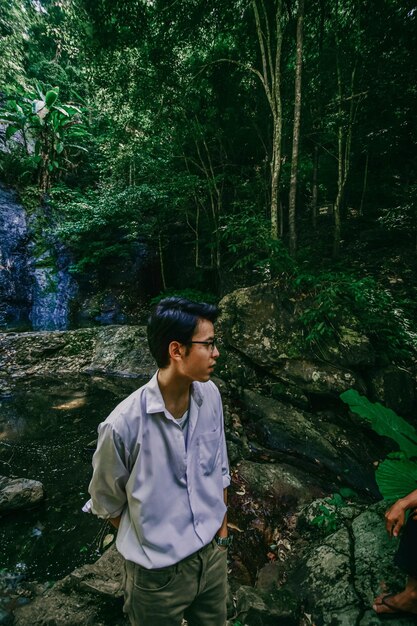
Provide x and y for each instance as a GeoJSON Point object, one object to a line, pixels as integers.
{"type": "Point", "coordinates": [170, 496]}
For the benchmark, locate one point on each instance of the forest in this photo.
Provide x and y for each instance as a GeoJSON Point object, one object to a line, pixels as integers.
{"type": "Point", "coordinates": [238, 141]}
{"type": "Point", "coordinates": [260, 154]}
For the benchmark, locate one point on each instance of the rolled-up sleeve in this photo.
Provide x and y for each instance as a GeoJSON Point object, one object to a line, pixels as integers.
{"type": "Point", "coordinates": [110, 474]}
{"type": "Point", "coordinates": [223, 451]}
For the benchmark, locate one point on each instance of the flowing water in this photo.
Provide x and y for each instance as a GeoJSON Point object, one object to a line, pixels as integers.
{"type": "Point", "coordinates": [47, 430]}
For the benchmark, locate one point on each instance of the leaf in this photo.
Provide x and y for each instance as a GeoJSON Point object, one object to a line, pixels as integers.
{"type": "Point", "coordinates": [11, 130]}
{"type": "Point", "coordinates": [61, 110]}
{"type": "Point", "coordinates": [396, 477]}
{"type": "Point", "coordinates": [347, 493]}
{"type": "Point", "coordinates": [383, 421]}
{"type": "Point", "coordinates": [51, 97]}
{"type": "Point", "coordinates": [108, 539]}
{"type": "Point", "coordinates": [59, 147]}
{"type": "Point", "coordinates": [73, 145]}
{"type": "Point", "coordinates": [72, 107]}
{"type": "Point", "coordinates": [234, 527]}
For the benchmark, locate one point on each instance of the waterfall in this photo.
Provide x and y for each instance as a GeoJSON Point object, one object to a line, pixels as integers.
{"type": "Point", "coordinates": [15, 279]}
{"type": "Point", "coordinates": [35, 286]}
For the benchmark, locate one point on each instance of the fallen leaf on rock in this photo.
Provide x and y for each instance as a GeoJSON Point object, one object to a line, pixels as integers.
{"type": "Point", "coordinates": [107, 540]}
{"type": "Point", "coordinates": [234, 527]}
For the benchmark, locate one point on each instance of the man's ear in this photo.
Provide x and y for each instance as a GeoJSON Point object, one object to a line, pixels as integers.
{"type": "Point", "coordinates": [176, 350]}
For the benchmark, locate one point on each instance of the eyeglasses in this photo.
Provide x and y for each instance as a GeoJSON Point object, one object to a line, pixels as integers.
{"type": "Point", "coordinates": [211, 344]}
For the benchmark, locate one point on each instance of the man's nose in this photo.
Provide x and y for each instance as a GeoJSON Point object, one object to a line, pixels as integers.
{"type": "Point", "coordinates": [216, 352]}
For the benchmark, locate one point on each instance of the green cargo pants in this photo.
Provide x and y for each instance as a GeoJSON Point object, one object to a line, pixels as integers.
{"type": "Point", "coordinates": [194, 589]}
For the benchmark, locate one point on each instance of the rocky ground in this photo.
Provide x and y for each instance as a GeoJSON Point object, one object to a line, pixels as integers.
{"type": "Point", "coordinates": [310, 545]}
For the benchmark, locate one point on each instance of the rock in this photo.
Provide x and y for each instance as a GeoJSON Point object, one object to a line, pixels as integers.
{"type": "Point", "coordinates": [394, 386]}
{"type": "Point", "coordinates": [353, 348]}
{"type": "Point", "coordinates": [5, 618]}
{"type": "Point", "coordinates": [19, 493]}
{"type": "Point", "coordinates": [279, 482]}
{"type": "Point", "coordinates": [262, 322]}
{"type": "Point", "coordinates": [91, 595]}
{"type": "Point", "coordinates": [253, 610]}
{"type": "Point", "coordinates": [104, 577]}
{"type": "Point", "coordinates": [338, 578]}
{"type": "Point", "coordinates": [318, 378]}
{"type": "Point", "coordinates": [116, 350]}
{"type": "Point", "coordinates": [270, 577]}
{"type": "Point", "coordinates": [122, 351]}
{"type": "Point", "coordinates": [336, 450]}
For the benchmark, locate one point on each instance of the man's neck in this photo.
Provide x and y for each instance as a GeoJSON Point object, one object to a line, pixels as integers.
{"type": "Point", "coordinates": [175, 390]}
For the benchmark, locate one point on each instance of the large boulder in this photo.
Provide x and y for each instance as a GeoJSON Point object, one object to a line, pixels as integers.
{"type": "Point", "coordinates": [314, 377]}
{"type": "Point", "coordinates": [19, 493]}
{"type": "Point", "coordinates": [337, 451]}
{"type": "Point", "coordinates": [263, 323]}
{"type": "Point", "coordinates": [339, 578]}
{"type": "Point", "coordinates": [115, 350]}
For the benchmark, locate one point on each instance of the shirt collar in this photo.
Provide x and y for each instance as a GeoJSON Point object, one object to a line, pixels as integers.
{"type": "Point", "coordinates": [155, 401]}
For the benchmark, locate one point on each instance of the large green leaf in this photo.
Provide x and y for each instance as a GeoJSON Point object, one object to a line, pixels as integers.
{"type": "Point", "coordinates": [383, 421]}
{"type": "Point", "coordinates": [396, 477]}
{"type": "Point", "coordinates": [51, 97]}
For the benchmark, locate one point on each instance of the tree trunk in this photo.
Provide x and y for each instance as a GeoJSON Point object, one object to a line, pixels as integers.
{"type": "Point", "coordinates": [296, 131]}
{"type": "Point", "coordinates": [315, 190]}
{"type": "Point", "coordinates": [161, 261]}
{"type": "Point", "coordinates": [270, 77]}
{"type": "Point", "coordinates": [365, 182]}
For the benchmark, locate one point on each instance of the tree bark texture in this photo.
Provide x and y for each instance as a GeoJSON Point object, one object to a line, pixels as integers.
{"type": "Point", "coordinates": [296, 131]}
{"type": "Point", "coordinates": [270, 44]}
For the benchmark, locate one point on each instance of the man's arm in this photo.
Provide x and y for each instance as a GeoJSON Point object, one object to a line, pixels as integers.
{"type": "Point", "coordinates": [222, 532]}
{"type": "Point", "coordinates": [115, 521]}
{"type": "Point", "coordinates": [395, 516]}
{"type": "Point", "coordinates": [110, 475]}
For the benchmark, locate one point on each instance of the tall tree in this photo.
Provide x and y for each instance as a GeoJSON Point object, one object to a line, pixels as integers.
{"type": "Point", "coordinates": [269, 29]}
{"type": "Point", "coordinates": [296, 130]}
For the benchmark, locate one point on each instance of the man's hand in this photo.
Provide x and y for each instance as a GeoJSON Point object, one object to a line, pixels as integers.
{"type": "Point", "coordinates": [395, 518]}
{"type": "Point", "coordinates": [115, 521]}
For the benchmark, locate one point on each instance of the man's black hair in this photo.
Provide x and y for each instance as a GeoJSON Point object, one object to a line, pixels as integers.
{"type": "Point", "coordinates": [175, 319]}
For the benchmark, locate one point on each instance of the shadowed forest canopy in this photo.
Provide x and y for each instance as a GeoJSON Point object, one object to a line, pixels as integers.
{"type": "Point", "coordinates": [238, 140]}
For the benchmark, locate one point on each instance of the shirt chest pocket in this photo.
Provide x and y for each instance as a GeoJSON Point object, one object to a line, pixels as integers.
{"type": "Point", "coordinates": [209, 452]}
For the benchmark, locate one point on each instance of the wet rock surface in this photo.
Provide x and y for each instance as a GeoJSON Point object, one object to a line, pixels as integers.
{"type": "Point", "coordinates": [291, 442]}
{"type": "Point", "coordinates": [114, 350]}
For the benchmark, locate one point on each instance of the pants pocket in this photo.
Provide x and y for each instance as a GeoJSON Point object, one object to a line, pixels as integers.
{"type": "Point", "coordinates": [154, 579]}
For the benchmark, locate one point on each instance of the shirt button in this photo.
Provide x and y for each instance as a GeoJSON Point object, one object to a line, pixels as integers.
{"type": "Point", "coordinates": [196, 522]}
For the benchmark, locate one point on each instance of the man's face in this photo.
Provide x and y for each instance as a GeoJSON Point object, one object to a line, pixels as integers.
{"type": "Point", "coordinates": [199, 360]}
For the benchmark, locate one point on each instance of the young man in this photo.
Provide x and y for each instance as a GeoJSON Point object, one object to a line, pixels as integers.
{"type": "Point", "coordinates": [160, 474]}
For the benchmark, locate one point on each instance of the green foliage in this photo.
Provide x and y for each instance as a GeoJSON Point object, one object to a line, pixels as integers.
{"type": "Point", "coordinates": [252, 251]}
{"type": "Point", "coordinates": [325, 520]}
{"type": "Point", "coordinates": [339, 296]}
{"type": "Point", "coordinates": [53, 130]}
{"type": "Point", "coordinates": [328, 517]}
{"type": "Point", "coordinates": [396, 476]}
{"type": "Point", "coordinates": [190, 294]}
